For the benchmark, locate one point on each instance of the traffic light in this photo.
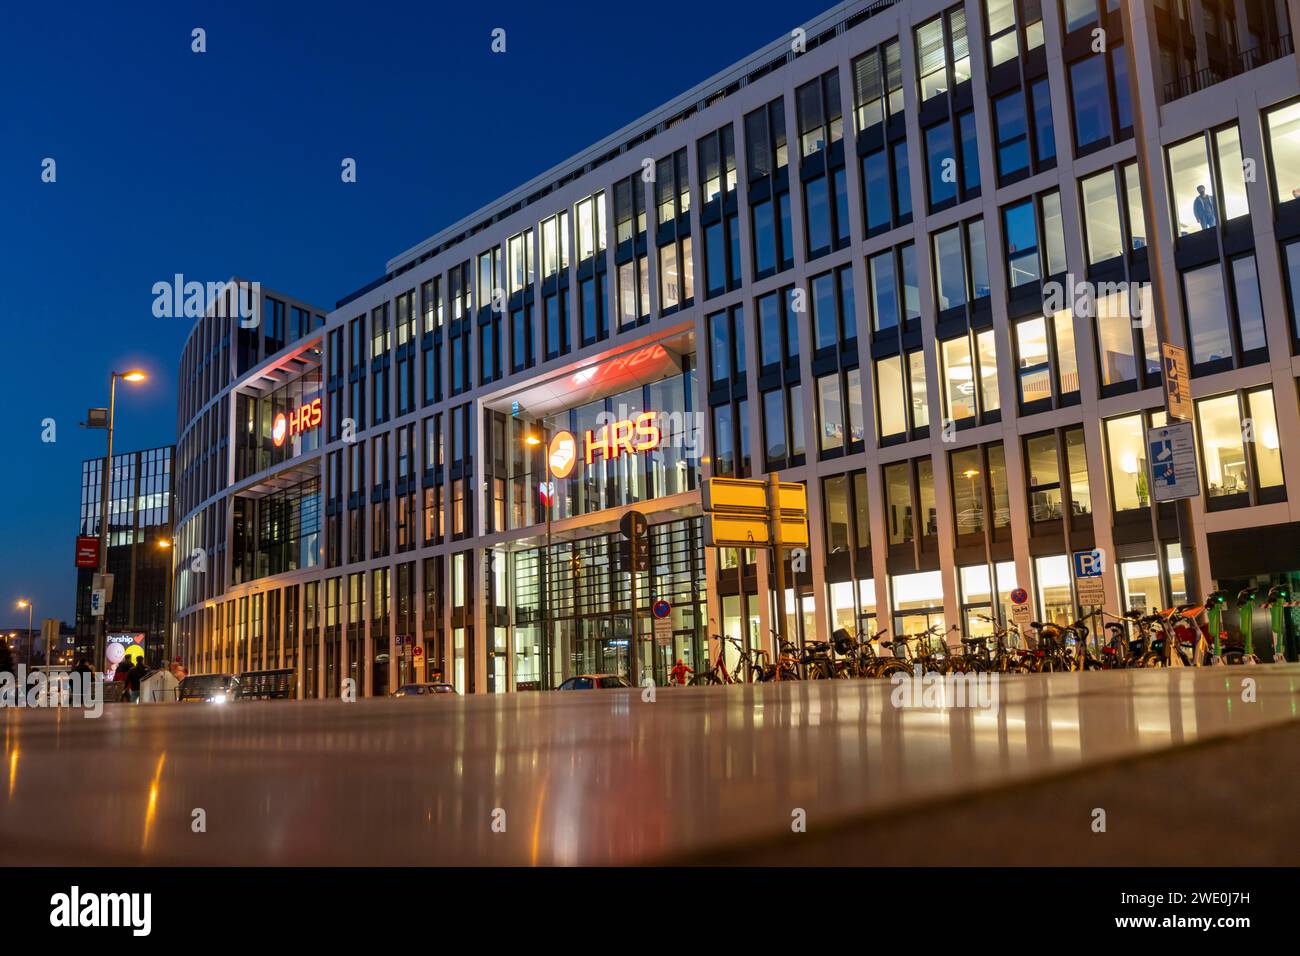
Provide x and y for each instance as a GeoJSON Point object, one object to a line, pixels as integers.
{"type": "Point", "coordinates": [634, 553]}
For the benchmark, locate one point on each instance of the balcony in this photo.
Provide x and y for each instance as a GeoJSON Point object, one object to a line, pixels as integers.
{"type": "Point", "coordinates": [1244, 62]}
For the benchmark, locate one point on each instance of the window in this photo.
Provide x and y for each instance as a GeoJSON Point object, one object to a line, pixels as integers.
{"type": "Point", "coordinates": [727, 346]}
{"type": "Point", "coordinates": [1207, 315]}
{"type": "Point", "coordinates": [1137, 222]}
{"type": "Point", "coordinates": [917, 605]}
{"type": "Point", "coordinates": [898, 503]}
{"type": "Point", "coordinates": [1102, 224]}
{"type": "Point", "coordinates": [901, 400]}
{"type": "Point", "coordinates": [833, 318]}
{"type": "Point", "coordinates": [889, 385]}
{"type": "Point", "coordinates": [1126, 454]}
{"type": "Point", "coordinates": [1023, 223]}
{"type": "Point", "coordinates": [1091, 99]}
{"type": "Point", "coordinates": [1044, 127]}
{"type": "Point", "coordinates": [967, 491]}
{"type": "Point", "coordinates": [878, 85]}
{"type": "Point", "coordinates": [1055, 598]}
{"type": "Point", "coordinates": [1198, 202]}
{"type": "Point", "coordinates": [887, 188]}
{"type": "Point", "coordinates": [1012, 134]}
{"type": "Point", "coordinates": [954, 250]}
{"type": "Point", "coordinates": [820, 119]}
{"type": "Point", "coordinates": [891, 304]}
{"type": "Point", "coordinates": [970, 376]}
{"type": "Point", "coordinates": [1118, 332]}
{"type": "Point", "coordinates": [1044, 470]}
{"type": "Point", "coordinates": [1284, 150]}
{"type": "Point", "coordinates": [1240, 451]}
{"type": "Point", "coordinates": [1045, 358]}
{"type": "Point", "coordinates": [778, 329]}
{"type": "Point", "coordinates": [774, 426]}
{"type": "Point", "coordinates": [1001, 16]}
{"type": "Point", "coordinates": [930, 58]}
{"type": "Point", "coordinates": [934, 56]}
{"type": "Point", "coordinates": [1291, 263]}
{"type": "Point", "coordinates": [839, 411]}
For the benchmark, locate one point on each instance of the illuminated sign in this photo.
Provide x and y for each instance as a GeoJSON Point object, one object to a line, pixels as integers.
{"type": "Point", "coordinates": [291, 424]}
{"type": "Point", "coordinates": [563, 454]}
{"type": "Point", "coordinates": [630, 435]}
{"type": "Point", "coordinates": [626, 436]}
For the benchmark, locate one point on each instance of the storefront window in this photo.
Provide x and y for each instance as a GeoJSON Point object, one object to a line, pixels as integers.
{"type": "Point", "coordinates": [1140, 581]}
{"type": "Point", "coordinates": [976, 600]}
{"type": "Point", "coordinates": [918, 601]}
{"type": "Point", "coordinates": [1055, 602]}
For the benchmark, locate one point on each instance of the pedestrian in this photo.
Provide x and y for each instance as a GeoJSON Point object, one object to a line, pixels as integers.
{"type": "Point", "coordinates": [82, 666]}
{"type": "Point", "coordinates": [1203, 208]}
{"type": "Point", "coordinates": [178, 669]}
{"type": "Point", "coordinates": [680, 670]}
{"type": "Point", "coordinates": [133, 678]}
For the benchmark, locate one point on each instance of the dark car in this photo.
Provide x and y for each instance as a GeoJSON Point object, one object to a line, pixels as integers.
{"type": "Point", "coordinates": [208, 689]}
{"type": "Point", "coordinates": [594, 682]}
{"type": "Point", "coordinates": [422, 690]}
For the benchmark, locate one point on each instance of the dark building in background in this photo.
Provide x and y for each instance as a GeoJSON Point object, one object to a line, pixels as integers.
{"type": "Point", "coordinates": [139, 546]}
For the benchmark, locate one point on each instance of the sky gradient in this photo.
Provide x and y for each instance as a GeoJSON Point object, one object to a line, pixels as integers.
{"type": "Point", "coordinates": [227, 163]}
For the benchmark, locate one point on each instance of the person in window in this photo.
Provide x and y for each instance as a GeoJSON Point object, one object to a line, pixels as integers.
{"type": "Point", "coordinates": [1203, 208]}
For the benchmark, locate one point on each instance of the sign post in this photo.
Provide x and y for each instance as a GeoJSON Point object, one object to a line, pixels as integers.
{"type": "Point", "coordinates": [1089, 580]}
{"type": "Point", "coordinates": [753, 513]}
{"type": "Point", "coordinates": [1171, 450]}
{"type": "Point", "coordinates": [636, 529]}
{"type": "Point", "coordinates": [1178, 382]}
{"type": "Point", "coordinates": [1021, 612]}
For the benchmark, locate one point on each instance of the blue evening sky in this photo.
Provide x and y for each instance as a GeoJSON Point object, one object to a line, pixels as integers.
{"type": "Point", "coordinates": [228, 163]}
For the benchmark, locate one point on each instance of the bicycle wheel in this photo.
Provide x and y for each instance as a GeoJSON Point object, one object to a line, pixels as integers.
{"type": "Point", "coordinates": [889, 666]}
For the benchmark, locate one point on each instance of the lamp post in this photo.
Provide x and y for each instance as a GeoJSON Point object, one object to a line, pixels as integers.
{"type": "Point", "coordinates": [534, 441]}
{"type": "Point", "coordinates": [23, 602]}
{"type": "Point", "coordinates": [165, 544]}
{"type": "Point", "coordinates": [135, 375]}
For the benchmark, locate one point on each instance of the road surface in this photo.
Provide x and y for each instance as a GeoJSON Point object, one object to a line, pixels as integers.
{"type": "Point", "coordinates": [723, 774]}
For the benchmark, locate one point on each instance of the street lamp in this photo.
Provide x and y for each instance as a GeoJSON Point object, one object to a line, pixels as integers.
{"type": "Point", "coordinates": [534, 441]}
{"type": "Point", "coordinates": [23, 602]}
{"type": "Point", "coordinates": [134, 376]}
{"type": "Point", "coordinates": [165, 545]}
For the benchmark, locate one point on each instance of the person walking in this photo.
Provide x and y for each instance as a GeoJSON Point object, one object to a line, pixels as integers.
{"type": "Point", "coordinates": [680, 670]}
{"type": "Point", "coordinates": [133, 678]}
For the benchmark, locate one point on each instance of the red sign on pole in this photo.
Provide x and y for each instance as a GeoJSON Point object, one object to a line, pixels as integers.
{"type": "Point", "coordinates": [87, 551]}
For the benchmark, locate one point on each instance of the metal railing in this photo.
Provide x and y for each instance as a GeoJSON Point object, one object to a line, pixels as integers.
{"type": "Point", "coordinates": [1243, 63]}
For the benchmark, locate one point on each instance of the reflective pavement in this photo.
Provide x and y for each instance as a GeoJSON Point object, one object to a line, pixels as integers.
{"type": "Point", "coordinates": [599, 777]}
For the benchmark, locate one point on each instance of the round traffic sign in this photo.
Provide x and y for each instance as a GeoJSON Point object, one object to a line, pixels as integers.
{"type": "Point", "coordinates": [661, 608]}
{"type": "Point", "coordinates": [1019, 596]}
{"type": "Point", "coordinates": [419, 651]}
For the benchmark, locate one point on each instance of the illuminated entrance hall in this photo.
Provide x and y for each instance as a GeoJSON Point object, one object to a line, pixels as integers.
{"type": "Point", "coordinates": [591, 619]}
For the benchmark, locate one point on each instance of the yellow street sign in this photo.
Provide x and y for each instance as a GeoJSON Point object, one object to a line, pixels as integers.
{"type": "Point", "coordinates": [743, 531]}
{"type": "Point", "coordinates": [735, 531]}
{"type": "Point", "coordinates": [736, 495]}
{"type": "Point", "coordinates": [794, 532]}
{"type": "Point", "coordinates": [794, 498]}
{"type": "Point", "coordinates": [749, 496]}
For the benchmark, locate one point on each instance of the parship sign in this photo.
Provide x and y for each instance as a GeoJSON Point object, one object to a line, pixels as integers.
{"type": "Point", "coordinates": [627, 436]}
